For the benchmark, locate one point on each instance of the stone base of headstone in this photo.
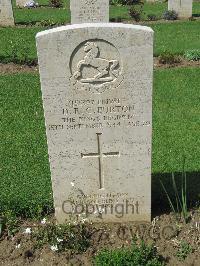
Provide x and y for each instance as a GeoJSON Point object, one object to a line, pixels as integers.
{"type": "Point", "coordinates": [182, 7]}
{"type": "Point", "coordinates": [6, 13]}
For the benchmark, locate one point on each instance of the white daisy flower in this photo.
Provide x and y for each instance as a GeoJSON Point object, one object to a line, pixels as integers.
{"type": "Point", "coordinates": [59, 240]}
{"type": "Point", "coordinates": [27, 230]}
{"type": "Point", "coordinates": [54, 248]}
{"type": "Point", "coordinates": [43, 221]}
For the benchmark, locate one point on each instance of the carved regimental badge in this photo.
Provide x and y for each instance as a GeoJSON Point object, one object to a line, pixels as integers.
{"type": "Point", "coordinates": [96, 66]}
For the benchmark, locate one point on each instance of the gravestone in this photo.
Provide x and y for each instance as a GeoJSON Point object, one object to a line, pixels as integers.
{"type": "Point", "coordinates": [96, 82]}
{"type": "Point", "coordinates": [83, 11]}
{"type": "Point", "coordinates": [21, 3]}
{"type": "Point", "coordinates": [6, 13]}
{"type": "Point", "coordinates": [182, 7]}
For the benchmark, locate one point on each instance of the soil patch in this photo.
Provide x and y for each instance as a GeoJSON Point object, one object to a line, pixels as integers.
{"type": "Point", "coordinates": [12, 68]}
{"type": "Point", "coordinates": [165, 232]}
{"type": "Point", "coordinates": [183, 63]}
{"type": "Point", "coordinates": [113, 20]}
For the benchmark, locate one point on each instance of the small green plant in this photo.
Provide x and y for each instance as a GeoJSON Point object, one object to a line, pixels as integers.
{"type": "Point", "coordinates": [169, 58]}
{"type": "Point", "coordinates": [170, 15]}
{"type": "Point", "coordinates": [180, 204]}
{"type": "Point", "coordinates": [192, 55]}
{"type": "Point", "coordinates": [142, 255]}
{"type": "Point", "coordinates": [56, 3]}
{"type": "Point", "coordinates": [46, 23]}
{"type": "Point", "coordinates": [152, 17]}
{"type": "Point", "coordinates": [135, 12]}
{"type": "Point", "coordinates": [63, 237]}
{"type": "Point", "coordinates": [2, 225]}
{"type": "Point", "coordinates": [184, 250]}
{"type": "Point", "coordinates": [9, 224]}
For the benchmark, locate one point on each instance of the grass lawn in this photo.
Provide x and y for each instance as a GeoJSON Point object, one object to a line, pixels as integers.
{"type": "Point", "coordinates": [176, 119]}
{"type": "Point", "coordinates": [31, 16]}
{"type": "Point", "coordinates": [176, 37]}
{"type": "Point", "coordinates": [25, 177]}
{"type": "Point", "coordinates": [18, 44]}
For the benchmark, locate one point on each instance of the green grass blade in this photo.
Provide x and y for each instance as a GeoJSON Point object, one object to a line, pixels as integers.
{"type": "Point", "coordinates": [168, 197]}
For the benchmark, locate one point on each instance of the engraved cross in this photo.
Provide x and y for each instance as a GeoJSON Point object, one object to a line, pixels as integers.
{"type": "Point", "coordinates": [100, 155]}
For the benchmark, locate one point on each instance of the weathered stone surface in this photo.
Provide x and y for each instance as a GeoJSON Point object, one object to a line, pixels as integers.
{"type": "Point", "coordinates": [96, 84]}
{"type": "Point", "coordinates": [83, 11]}
{"type": "Point", "coordinates": [6, 13]}
{"type": "Point", "coordinates": [21, 3]}
{"type": "Point", "coordinates": [182, 7]}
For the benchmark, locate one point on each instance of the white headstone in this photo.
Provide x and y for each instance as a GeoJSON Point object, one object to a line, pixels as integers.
{"type": "Point", "coordinates": [6, 13]}
{"type": "Point", "coordinates": [182, 7]}
{"type": "Point", "coordinates": [96, 84]}
{"type": "Point", "coordinates": [85, 11]}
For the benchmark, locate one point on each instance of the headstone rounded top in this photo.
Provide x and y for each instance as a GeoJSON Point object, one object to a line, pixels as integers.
{"type": "Point", "coordinates": [94, 25]}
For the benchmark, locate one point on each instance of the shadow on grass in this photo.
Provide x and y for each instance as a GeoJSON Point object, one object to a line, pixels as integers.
{"type": "Point", "coordinates": [45, 23]}
{"type": "Point", "coordinates": [44, 5]}
{"type": "Point", "coordinates": [117, 20]}
{"type": "Point", "coordinates": [19, 61]}
{"type": "Point", "coordinates": [27, 23]}
{"type": "Point", "coordinates": [160, 204]}
{"type": "Point", "coordinates": [196, 15]}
